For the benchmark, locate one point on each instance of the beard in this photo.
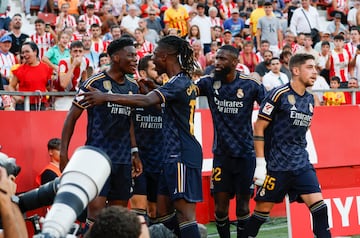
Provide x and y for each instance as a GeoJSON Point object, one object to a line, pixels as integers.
{"type": "Point", "coordinates": [220, 74]}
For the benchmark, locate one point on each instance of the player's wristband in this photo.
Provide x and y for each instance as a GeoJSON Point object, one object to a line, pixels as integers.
{"type": "Point", "coordinates": [258, 138]}
{"type": "Point", "coordinates": [134, 150]}
{"type": "Point", "coordinates": [261, 162]}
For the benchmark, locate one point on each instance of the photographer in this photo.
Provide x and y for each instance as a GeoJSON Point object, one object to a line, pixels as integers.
{"type": "Point", "coordinates": [13, 224]}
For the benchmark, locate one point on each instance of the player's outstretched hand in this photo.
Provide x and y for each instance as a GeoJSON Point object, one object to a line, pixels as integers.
{"type": "Point", "coordinates": [260, 171]}
{"type": "Point", "coordinates": [92, 98]}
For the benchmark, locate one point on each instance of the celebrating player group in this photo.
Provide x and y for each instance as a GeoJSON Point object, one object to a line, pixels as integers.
{"type": "Point", "coordinates": [146, 126]}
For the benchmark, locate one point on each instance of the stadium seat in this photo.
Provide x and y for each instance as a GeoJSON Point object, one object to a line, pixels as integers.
{"type": "Point", "coordinates": [48, 18]}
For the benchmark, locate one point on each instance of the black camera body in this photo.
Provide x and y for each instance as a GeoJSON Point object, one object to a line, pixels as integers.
{"type": "Point", "coordinates": [39, 197]}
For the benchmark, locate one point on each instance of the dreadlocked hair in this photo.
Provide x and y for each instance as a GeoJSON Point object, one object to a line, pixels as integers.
{"type": "Point", "coordinates": [180, 47]}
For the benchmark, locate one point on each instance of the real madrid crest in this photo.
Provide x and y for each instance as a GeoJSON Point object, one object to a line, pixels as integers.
{"type": "Point", "coordinates": [240, 93]}
{"type": "Point", "coordinates": [107, 85]}
{"type": "Point", "coordinates": [217, 84]}
{"type": "Point", "coordinates": [291, 99]}
{"type": "Point", "coordinates": [311, 108]}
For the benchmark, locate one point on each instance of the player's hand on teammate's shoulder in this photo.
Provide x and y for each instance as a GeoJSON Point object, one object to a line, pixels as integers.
{"type": "Point", "coordinates": [146, 85]}
{"type": "Point", "coordinates": [92, 98]}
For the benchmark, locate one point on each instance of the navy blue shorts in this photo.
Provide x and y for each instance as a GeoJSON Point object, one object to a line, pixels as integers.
{"type": "Point", "coordinates": [179, 181]}
{"type": "Point", "coordinates": [119, 184]}
{"type": "Point", "coordinates": [147, 184]}
{"type": "Point", "coordinates": [295, 183]}
{"type": "Point", "coordinates": [233, 175]}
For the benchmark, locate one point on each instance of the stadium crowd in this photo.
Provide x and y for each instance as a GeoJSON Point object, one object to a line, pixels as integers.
{"type": "Point", "coordinates": [262, 30]}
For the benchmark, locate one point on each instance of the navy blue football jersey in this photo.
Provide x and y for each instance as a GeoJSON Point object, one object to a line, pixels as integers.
{"type": "Point", "coordinates": [290, 117]}
{"type": "Point", "coordinates": [149, 137]}
{"type": "Point", "coordinates": [231, 105]}
{"type": "Point", "coordinates": [179, 95]}
{"type": "Point", "coordinates": [109, 124]}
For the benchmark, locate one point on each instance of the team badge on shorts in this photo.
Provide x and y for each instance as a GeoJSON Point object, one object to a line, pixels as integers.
{"type": "Point", "coordinates": [240, 93]}
{"type": "Point", "coordinates": [107, 85]}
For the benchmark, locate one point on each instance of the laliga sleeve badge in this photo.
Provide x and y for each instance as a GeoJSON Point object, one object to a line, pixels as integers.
{"type": "Point", "coordinates": [240, 93]}
{"type": "Point", "coordinates": [311, 108]}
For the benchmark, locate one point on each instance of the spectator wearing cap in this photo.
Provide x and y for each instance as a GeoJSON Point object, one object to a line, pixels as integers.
{"type": "Point", "coordinates": [227, 40]}
{"type": "Point", "coordinates": [335, 26]}
{"type": "Point", "coordinates": [17, 37]}
{"type": "Point", "coordinates": [7, 59]}
{"type": "Point", "coordinates": [305, 18]}
{"type": "Point", "coordinates": [131, 21]}
{"type": "Point", "coordinates": [177, 17]}
{"type": "Point", "coordinates": [269, 28]}
{"type": "Point", "coordinates": [325, 36]}
{"type": "Point", "coordinates": [89, 17]}
{"type": "Point", "coordinates": [204, 24]}
{"type": "Point", "coordinates": [235, 24]}
{"type": "Point", "coordinates": [153, 22]}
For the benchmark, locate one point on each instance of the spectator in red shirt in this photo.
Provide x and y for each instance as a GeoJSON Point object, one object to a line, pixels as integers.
{"type": "Point", "coordinates": [32, 76]}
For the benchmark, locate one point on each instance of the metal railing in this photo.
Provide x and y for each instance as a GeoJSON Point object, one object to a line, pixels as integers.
{"type": "Point", "coordinates": [202, 105]}
{"type": "Point", "coordinates": [27, 95]}
{"type": "Point", "coordinates": [350, 90]}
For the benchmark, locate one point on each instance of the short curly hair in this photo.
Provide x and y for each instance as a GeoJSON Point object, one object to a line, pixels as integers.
{"type": "Point", "coordinates": [115, 221]}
